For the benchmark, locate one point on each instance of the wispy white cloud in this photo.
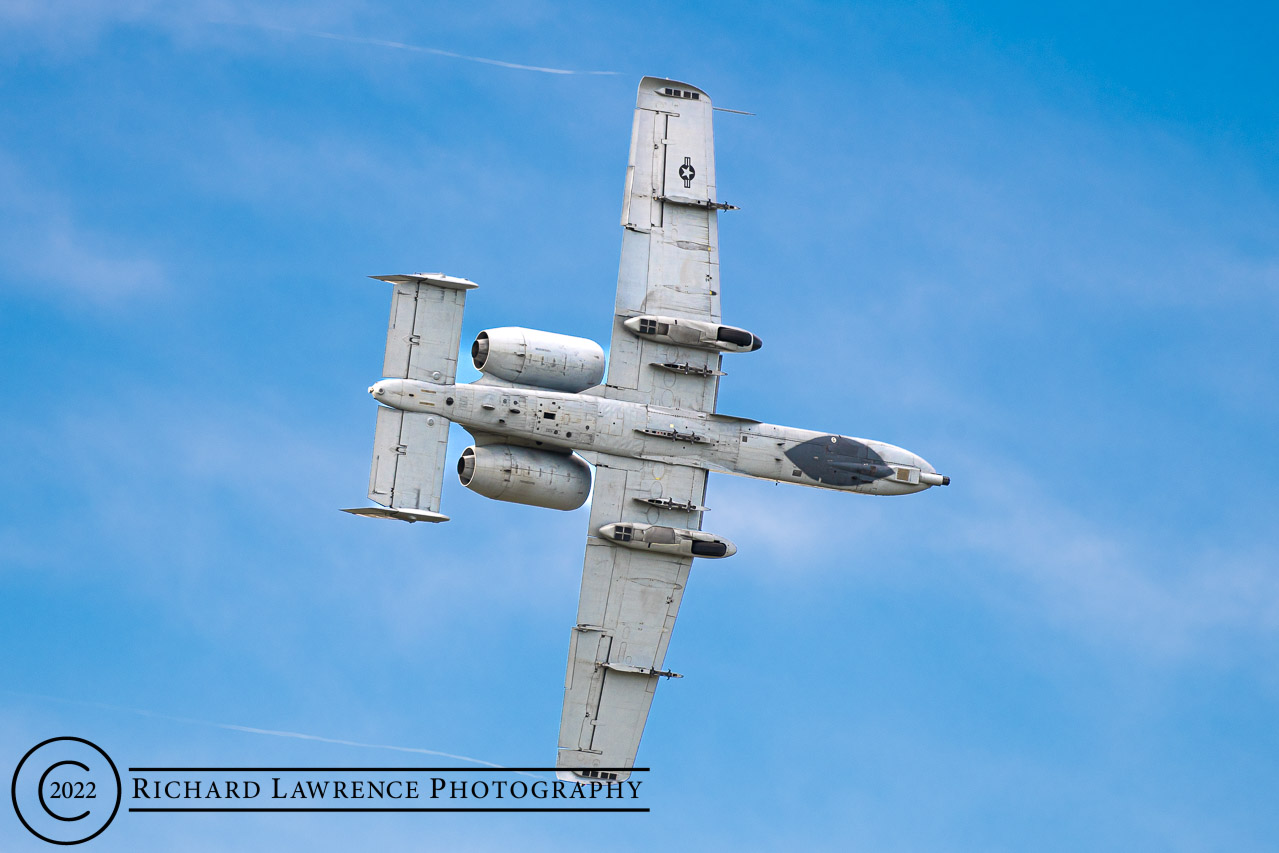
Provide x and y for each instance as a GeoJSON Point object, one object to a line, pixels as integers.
{"type": "Point", "coordinates": [785, 524]}
{"type": "Point", "coordinates": [62, 26]}
{"type": "Point", "coordinates": [46, 248]}
{"type": "Point", "coordinates": [1007, 541]}
{"type": "Point", "coordinates": [974, 208]}
{"type": "Point", "coordinates": [433, 51]}
{"type": "Point", "coordinates": [175, 491]}
{"type": "Point", "coordinates": [66, 27]}
{"type": "Point", "coordinates": [1150, 588]}
{"type": "Point", "coordinates": [232, 727]}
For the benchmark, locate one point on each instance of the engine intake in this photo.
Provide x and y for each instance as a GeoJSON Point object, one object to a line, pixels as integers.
{"type": "Point", "coordinates": [544, 359]}
{"type": "Point", "coordinates": [523, 475]}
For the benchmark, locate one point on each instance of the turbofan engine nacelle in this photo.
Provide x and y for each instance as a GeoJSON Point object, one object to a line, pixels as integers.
{"type": "Point", "coordinates": [523, 475]}
{"type": "Point", "coordinates": [545, 359]}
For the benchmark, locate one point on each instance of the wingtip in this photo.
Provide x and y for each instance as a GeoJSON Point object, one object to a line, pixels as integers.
{"type": "Point", "coordinates": [660, 84]}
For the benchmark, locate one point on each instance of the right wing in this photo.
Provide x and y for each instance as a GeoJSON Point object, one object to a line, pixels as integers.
{"type": "Point", "coordinates": [670, 248]}
{"type": "Point", "coordinates": [625, 617]}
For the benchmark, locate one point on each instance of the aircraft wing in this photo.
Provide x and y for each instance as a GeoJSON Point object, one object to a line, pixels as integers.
{"type": "Point", "coordinates": [625, 617]}
{"type": "Point", "coordinates": [670, 248]}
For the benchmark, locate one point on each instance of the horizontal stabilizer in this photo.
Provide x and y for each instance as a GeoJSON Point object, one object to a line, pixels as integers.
{"type": "Point", "coordinates": [438, 279]}
{"type": "Point", "coordinates": [422, 338]}
{"type": "Point", "coordinates": [423, 333]}
{"type": "Point", "coordinates": [409, 515]}
{"type": "Point", "coordinates": [408, 466]}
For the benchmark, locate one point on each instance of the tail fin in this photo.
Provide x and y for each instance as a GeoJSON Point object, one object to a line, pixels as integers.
{"type": "Point", "coordinates": [409, 447]}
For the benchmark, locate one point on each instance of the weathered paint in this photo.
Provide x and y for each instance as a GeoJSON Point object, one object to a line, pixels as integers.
{"type": "Point", "coordinates": [568, 422]}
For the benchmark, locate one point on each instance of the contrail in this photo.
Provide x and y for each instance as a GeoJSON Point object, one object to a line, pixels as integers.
{"type": "Point", "coordinates": [434, 51]}
{"type": "Point", "coordinates": [256, 731]}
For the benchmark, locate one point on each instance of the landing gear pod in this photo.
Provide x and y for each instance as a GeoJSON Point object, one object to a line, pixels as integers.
{"type": "Point", "coordinates": [523, 475]}
{"type": "Point", "coordinates": [667, 540]}
{"type": "Point", "coordinates": [697, 334]}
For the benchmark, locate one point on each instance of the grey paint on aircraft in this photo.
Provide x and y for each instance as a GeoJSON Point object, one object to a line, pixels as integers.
{"type": "Point", "coordinates": [544, 408]}
{"type": "Point", "coordinates": [835, 460]}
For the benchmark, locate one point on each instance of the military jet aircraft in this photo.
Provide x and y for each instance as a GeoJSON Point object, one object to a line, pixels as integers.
{"type": "Point", "coordinates": [544, 408]}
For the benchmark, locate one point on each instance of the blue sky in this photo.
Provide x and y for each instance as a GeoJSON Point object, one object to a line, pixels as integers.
{"type": "Point", "coordinates": [1037, 247]}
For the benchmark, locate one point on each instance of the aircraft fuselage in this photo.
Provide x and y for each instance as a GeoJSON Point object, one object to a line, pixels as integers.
{"type": "Point", "coordinates": [589, 423]}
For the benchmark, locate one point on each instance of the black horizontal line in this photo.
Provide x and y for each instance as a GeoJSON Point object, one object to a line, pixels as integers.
{"type": "Point", "coordinates": [385, 769]}
{"type": "Point", "coordinates": [393, 809]}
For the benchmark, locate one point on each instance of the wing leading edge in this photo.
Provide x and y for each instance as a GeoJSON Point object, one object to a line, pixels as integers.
{"type": "Point", "coordinates": [625, 617]}
{"type": "Point", "coordinates": [630, 598]}
{"type": "Point", "coordinates": [670, 248]}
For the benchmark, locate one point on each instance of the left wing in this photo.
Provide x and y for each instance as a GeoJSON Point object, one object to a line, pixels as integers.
{"type": "Point", "coordinates": [625, 616]}
{"type": "Point", "coordinates": [670, 249]}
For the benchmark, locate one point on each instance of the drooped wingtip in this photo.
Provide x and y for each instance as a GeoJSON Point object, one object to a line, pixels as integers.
{"type": "Point", "coordinates": [674, 89]}
{"type": "Point", "coordinates": [583, 776]}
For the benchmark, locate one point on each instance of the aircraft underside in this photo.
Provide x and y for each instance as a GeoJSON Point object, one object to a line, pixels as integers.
{"type": "Point", "coordinates": [559, 423]}
{"type": "Point", "coordinates": [545, 407]}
